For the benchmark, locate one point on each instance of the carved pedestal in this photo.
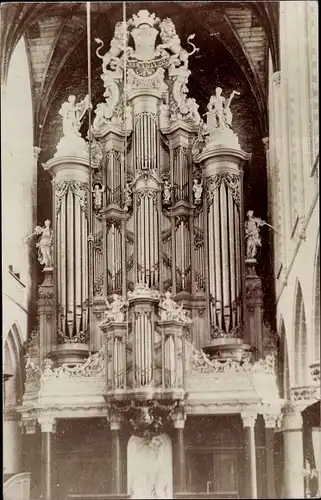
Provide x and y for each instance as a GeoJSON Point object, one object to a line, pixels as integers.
{"type": "Point", "coordinates": [115, 335]}
{"type": "Point", "coordinates": [173, 359]}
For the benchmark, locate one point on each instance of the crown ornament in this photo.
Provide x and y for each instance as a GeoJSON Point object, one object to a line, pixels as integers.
{"type": "Point", "coordinates": [144, 17]}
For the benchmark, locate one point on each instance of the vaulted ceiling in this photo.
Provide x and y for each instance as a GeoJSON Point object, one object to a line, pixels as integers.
{"type": "Point", "coordinates": [55, 35]}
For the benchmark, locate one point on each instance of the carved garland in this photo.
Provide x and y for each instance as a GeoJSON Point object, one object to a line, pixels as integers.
{"type": "Point", "coordinates": [78, 188]}
{"type": "Point", "coordinates": [232, 182]}
{"type": "Point", "coordinates": [146, 193]}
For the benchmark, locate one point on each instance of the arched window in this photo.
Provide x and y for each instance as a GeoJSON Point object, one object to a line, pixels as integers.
{"type": "Point", "coordinates": [12, 368]}
{"type": "Point", "coordinates": [283, 364]}
{"type": "Point", "coordinates": [18, 169]}
{"type": "Point", "coordinates": [300, 340]}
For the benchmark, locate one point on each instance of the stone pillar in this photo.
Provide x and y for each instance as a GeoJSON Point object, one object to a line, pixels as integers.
{"type": "Point", "coordinates": [116, 479]}
{"type": "Point", "coordinates": [47, 429]}
{"type": "Point", "coordinates": [293, 453]}
{"type": "Point", "coordinates": [270, 421]}
{"type": "Point", "coordinates": [12, 451]}
{"type": "Point", "coordinates": [179, 452]}
{"type": "Point", "coordinates": [250, 453]}
{"type": "Point", "coordinates": [28, 443]}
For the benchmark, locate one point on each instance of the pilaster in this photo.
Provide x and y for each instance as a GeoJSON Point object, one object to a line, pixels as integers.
{"type": "Point", "coordinates": [293, 452]}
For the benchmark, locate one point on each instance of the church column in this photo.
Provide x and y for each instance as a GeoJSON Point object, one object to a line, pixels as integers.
{"type": "Point", "coordinates": [12, 451]}
{"type": "Point", "coordinates": [179, 451]}
{"type": "Point", "coordinates": [47, 430]}
{"type": "Point", "coordinates": [269, 421]}
{"type": "Point", "coordinates": [249, 420]}
{"type": "Point", "coordinates": [115, 425]}
{"type": "Point", "coordinates": [293, 453]}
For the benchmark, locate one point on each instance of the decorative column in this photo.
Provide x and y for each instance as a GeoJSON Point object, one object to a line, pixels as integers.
{"type": "Point", "coordinates": [221, 160]}
{"type": "Point", "coordinates": [293, 452]}
{"type": "Point", "coordinates": [47, 429]}
{"type": "Point", "coordinates": [249, 419]}
{"type": "Point", "coordinates": [70, 229]}
{"type": "Point", "coordinates": [270, 421]}
{"type": "Point", "coordinates": [179, 450]}
{"type": "Point", "coordinates": [254, 308]}
{"type": "Point", "coordinates": [115, 425]}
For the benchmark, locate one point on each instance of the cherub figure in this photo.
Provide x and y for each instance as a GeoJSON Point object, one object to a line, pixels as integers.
{"type": "Point", "coordinates": [98, 196]}
{"type": "Point", "coordinates": [167, 192]}
{"type": "Point", "coordinates": [73, 114]}
{"type": "Point", "coordinates": [128, 195]}
{"type": "Point", "coordinates": [198, 190]}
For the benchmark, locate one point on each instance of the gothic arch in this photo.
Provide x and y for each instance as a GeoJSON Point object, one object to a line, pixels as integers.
{"type": "Point", "coordinates": [300, 348]}
{"type": "Point", "coordinates": [283, 363]}
{"type": "Point", "coordinates": [13, 357]}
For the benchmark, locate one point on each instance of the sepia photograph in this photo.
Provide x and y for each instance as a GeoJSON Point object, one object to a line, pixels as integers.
{"type": "Point", "coordinates": [160, 250]}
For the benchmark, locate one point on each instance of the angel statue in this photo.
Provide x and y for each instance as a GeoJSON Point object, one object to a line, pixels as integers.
{"type": "Point", "coordinates": [98, 195]}
{"type": "Point", "coordinates": [252, 234]}
{"type": "Point", "coordinates": [44, 244]}
{"type": "Point", "coordinates": [73, 114]}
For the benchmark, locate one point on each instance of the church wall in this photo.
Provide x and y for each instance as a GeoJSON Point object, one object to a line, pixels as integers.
{"type": "Point", "coordinates": [293, 157]}
{"type": "Point", "coordinates": [18, 183]}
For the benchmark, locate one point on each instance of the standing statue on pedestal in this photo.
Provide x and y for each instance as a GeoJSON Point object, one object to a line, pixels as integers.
{"type": "Point", "coordinates": [98, 196]}
{"type": "Point", "coordinates": [44, 244]}
{"type": "Point", "coordinates": [167, 192]}
{"type": "Point", "coordinates": [252, 234]}
{"type": "Point", "coordinates": [73, 115]}
{"type": "Point", "coordinates": [198, 190]}
{"type": "Point", "coordinates": [128, 201]}
{"type": "Point", "coordinates": [221, 108]}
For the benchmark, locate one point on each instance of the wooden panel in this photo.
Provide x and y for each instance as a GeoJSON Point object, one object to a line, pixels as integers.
{"type": "Point", "coordinates": [225, 472]}
{"type": "Point", "coordinates": [214, 472]}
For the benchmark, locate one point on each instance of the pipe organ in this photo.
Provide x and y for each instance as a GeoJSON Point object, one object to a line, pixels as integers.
{"type": "Point", "coordinates": [167, 216]}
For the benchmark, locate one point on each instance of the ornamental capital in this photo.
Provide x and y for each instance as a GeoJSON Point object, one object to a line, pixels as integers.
{"type": "Point", "coordinates": [36, 152]}
{"type": "Point", "coordinates": [270, 421]}
{"type": "Point", "coordinates": [266, 142]}
{"type": "Point", "coordinates": [276, 78]}
{"type": "Point", "coordinates": [47, 423]}
{"type": "Point", "coordinates": [29, 426]}
{"type": "Point", "coordinates": [249, 418]}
